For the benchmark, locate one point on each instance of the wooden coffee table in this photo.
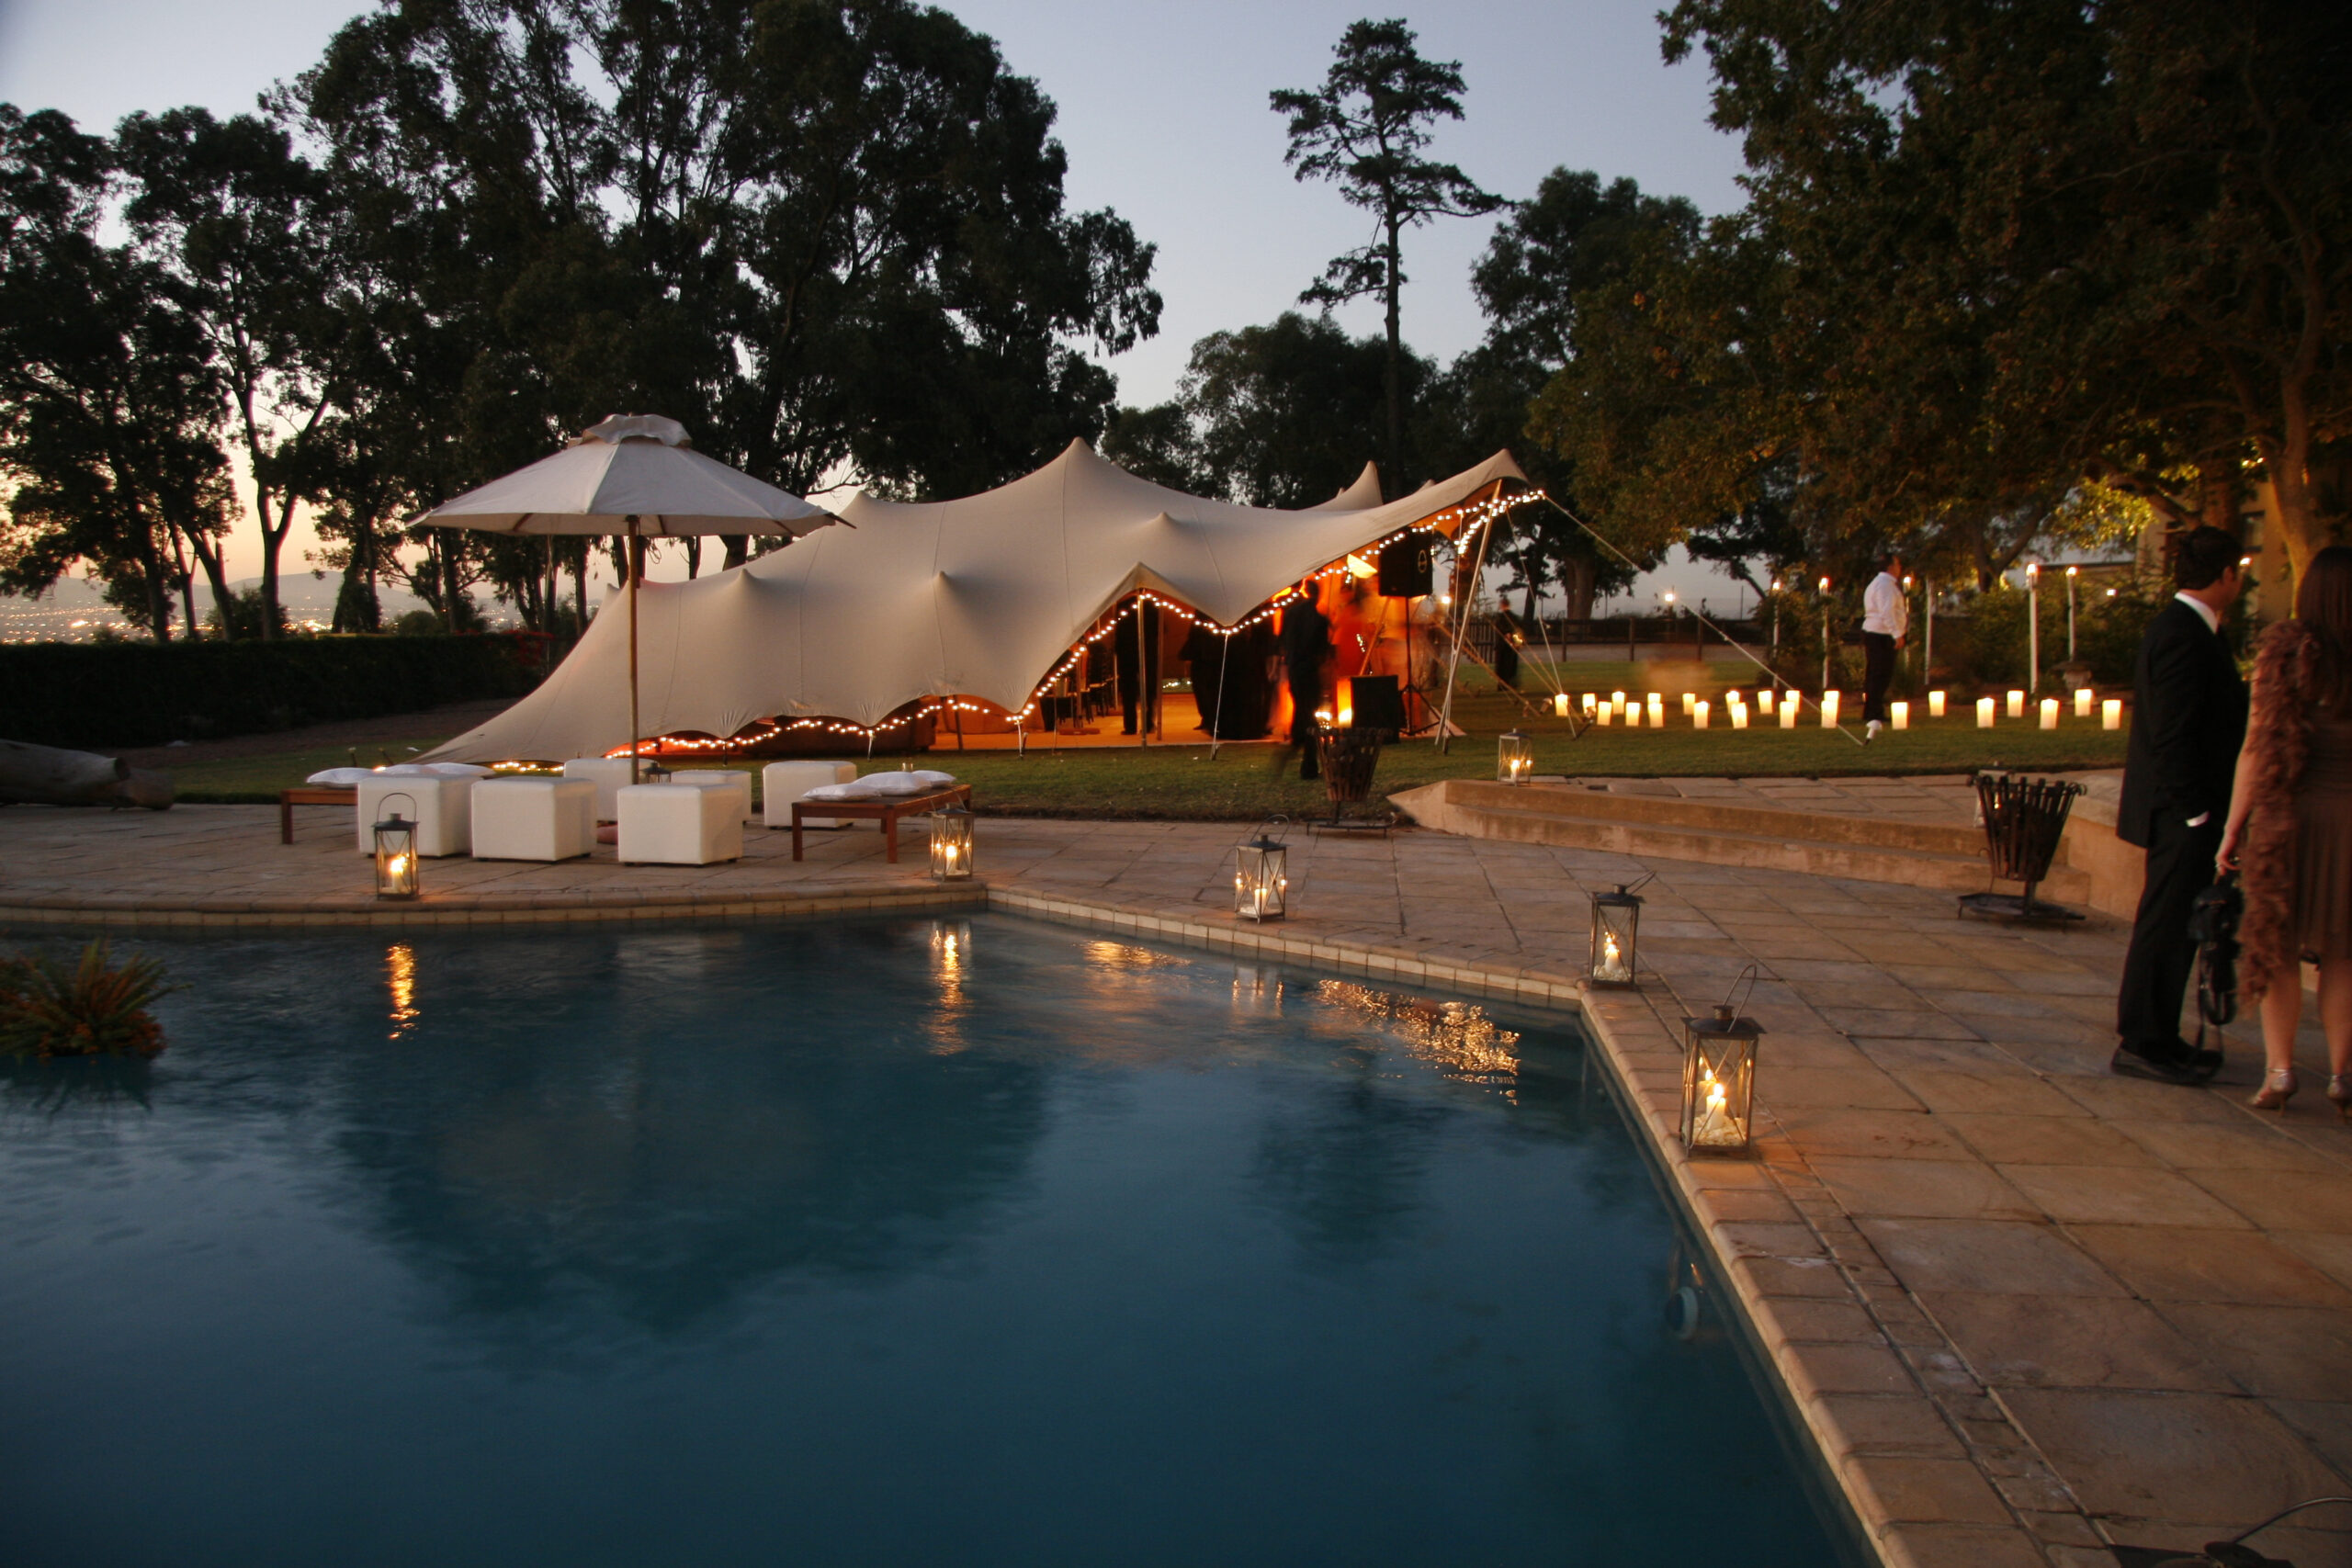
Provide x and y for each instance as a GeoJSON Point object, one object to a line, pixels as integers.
{"type": "Point", "coordinates": [886, 811]}
{"type": "Point", "coordinates": [311, 794]}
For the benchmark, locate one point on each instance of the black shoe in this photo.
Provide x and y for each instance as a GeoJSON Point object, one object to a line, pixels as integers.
{"type": "Point", "coordinates": [2167, 1061]}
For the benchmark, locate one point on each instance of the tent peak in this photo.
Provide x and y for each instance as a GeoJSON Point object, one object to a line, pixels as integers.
{"type": "Point", "coordinates": [615, 428]}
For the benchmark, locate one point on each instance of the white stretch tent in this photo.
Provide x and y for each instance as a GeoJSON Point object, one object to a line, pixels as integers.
{"type": "Point", "coordinates": [980, 597]}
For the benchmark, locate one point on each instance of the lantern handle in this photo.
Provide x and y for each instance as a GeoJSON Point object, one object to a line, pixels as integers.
{"type": "Point", "coordinates": [1646, 878]}
{"type": "Point", "coordinates": [1747, 975]}
{"type": "Point", "coordinates": [1263, 828]}
{"type": "Point", "coordinates": [392, 796]}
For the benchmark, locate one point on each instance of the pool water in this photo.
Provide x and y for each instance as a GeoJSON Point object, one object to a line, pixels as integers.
{"type": "Point", "coordinates": [903, 1241]}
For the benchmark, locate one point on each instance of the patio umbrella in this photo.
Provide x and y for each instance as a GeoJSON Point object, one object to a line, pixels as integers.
{"type": "Point", "coordinates": [638, 476]}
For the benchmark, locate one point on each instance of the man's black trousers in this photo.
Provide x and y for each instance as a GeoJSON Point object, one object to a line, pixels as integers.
{"type": "Point", "coordinates": [2157, 970]}
{"type": "Point", "coordinates": [1878, 673]}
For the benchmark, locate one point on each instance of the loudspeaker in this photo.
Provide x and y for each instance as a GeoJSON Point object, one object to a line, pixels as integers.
{"type": "Point", "coordinates": [1406, 567]}
{"type": "Point", "coordinates": [1377, 703]}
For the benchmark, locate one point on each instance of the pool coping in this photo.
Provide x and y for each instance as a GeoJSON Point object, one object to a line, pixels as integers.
{"type": "Point", "coordinates": [1934, 1472]}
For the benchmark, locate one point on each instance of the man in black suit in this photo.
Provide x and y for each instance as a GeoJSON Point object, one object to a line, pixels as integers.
{"type": "Point", "coordinates": [2189, 710]}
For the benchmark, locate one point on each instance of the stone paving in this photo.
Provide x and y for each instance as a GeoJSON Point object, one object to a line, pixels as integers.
{"type": "Point", "coordinates": [2027, 1307]}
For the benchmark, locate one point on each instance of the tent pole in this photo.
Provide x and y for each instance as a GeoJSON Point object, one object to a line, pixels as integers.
{"type": "Point", "coordinates": [633, 563]}
{"type": "Point", "coordinates": [1461, 628]}
{"type": "Point", "coordinates": [1217, 719]}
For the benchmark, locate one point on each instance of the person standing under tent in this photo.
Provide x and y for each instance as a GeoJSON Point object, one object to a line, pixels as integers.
{"type": "Point", "coordinates": [1886, 621]}
{"type": "Point", "coordinates": [1306, 648]}
{"type": "Point", "coordinates": [2188, 712]}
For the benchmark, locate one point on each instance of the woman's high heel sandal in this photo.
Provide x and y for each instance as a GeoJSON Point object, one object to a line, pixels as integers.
{"type": "Point", "coordinates": [2339, 1094]}
{"type": "Point", "coordinates": [2279, 1087]}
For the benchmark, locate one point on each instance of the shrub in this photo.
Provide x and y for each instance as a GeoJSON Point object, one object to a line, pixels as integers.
{"type": "Point", "coordinates": [140, 693]}
{"type": "Point", "coordinates": [1986, 649]}
{"type": "Point", "coordinates": [97, 1008]}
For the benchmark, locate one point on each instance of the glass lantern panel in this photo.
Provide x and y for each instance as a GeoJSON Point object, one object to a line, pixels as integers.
{"type": "Point", "coordinates": [1261, 880]}
{"type": "Point", "coordinates": [1514, 758]}
{"type": "Point", "coordinates": [951, 846]}
{"type": "Point", "coordinates": [396, 860]}
{"type": "Point", "coordinates": [1615, 924]}
{"type": "Point", "coordinates": [1718, 1086]}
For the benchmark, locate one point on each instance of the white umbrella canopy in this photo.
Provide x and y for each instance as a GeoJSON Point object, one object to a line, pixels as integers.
{"type": "Point", "coordinates": [635, 475]}
{"type": "Point", "coordinates": [630, 474]}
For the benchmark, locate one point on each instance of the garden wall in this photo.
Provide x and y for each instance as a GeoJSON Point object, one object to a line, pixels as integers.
{"type": "Point", "coordinates": [138, 693]}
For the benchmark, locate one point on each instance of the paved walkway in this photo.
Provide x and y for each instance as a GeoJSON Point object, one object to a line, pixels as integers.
{"type": "Point", "coordinates": [2026, 1307]}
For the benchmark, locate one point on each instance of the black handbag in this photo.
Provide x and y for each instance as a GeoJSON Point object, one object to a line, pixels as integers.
{"type": "Point", "coordinates": [2214, 927]}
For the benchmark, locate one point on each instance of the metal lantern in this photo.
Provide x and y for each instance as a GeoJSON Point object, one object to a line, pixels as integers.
{"type": "Point", "coordinates": [1616, 922]}
{"type": "Point", "coordinates": [1514, 758]}
{"type": "Point", "coordinates": [1261, 876]}
{"type": "Point", "coordinates": [951, 844]}
{"type": "Point", "coordinates": [657, 773]}
{"type": "Point", "coordinates": [1718, 1080]}
{"type": "Point", "coordinates": [395, 858]}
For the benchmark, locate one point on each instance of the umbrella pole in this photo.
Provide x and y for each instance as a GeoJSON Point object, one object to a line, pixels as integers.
{"type": "Point", "coordinates": [633, 556]}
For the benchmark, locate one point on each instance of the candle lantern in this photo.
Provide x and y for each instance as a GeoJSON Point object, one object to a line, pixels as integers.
{"type": "Point", "coordinates": [2016, 704]}
{"type": "Point", "coordinates": [1829, 710]}
{"type": "Point", "coordinates": [396, 856]}
{"type": "Point", "coordinates": [1514, 758]}
{"type": "Point", "coordinates": [1261, 876]}
{"type": "Point", "coordinates": [1689, 701]}
{"type": "Point", "coordinates": [1657, 710]}
{"type": "Point", "coordinates": [2110, 713]}
{"type": "Point", "coordinates": [1984, 712]}
{"type": "Point", "coordinates": [1764, 698]}
{"type": "Point", "coordinates": [1699, 714]}
{"type": "Point", "coordinates": [2050, 712]}
{"type": "Point", "coordinates": [1738, 714]}
{"type": "Point", "coordinates": [1616, 923]}
{"type": "Point", "coordinates": [1602, 715]}
{"type": "Point", "coordinates": [1617, 701]}
{"type": "Point", "coordinates": [1590, 703]}
{"type": "Point", "coordinates": [1900, 713]}
{"type": "Point", "coordinates": [1559, 705]}
{"type": "Point", "coordinates": [1935, 705]}
{"type": "Point", "coordinates": [1788, 711]}
{"type": "Point", "coordinates": [1718, 1081]}
{"type": "Point", "coordinates": [951, 844]}
{"type": "Point", "coordinates": [2084, 695]}
{"type": "Point", "coordinates": [657, 773]}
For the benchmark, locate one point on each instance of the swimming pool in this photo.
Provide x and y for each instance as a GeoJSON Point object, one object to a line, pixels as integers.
{"type": "Point", "coordinates": [900, 1241]}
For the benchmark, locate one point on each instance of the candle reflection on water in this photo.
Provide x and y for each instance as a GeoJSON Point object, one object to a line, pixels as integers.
{"type": "Point", "coordinates": [399, 977]}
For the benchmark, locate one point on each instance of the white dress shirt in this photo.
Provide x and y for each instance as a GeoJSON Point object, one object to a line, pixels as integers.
{"type": "Point", "coordinates": [1885, 610]}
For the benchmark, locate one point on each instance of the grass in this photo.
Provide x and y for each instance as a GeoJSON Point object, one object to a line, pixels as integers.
{"type": "Point", "coordinates": [1243, 783]}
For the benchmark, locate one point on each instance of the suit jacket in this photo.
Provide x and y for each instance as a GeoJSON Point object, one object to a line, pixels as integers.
{"type": "Point", "coordinates": [2188, 721]}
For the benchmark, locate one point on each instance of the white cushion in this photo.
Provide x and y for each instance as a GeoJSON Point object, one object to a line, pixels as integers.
{"type": "Point", "coordinates": [540, 818]}
{"type": "Point", "coordinates": [608, 774]}
{"type": "Point", "coordinates": [884, 786]}
{"type": "Point", "coordinates": [439, 805]}
{"type": "Point", "coordinates": [341, 778]}
{"type": "Point", "coordinates": [781, 783]}
{"type": "Point", "coordinates": [670, 825]}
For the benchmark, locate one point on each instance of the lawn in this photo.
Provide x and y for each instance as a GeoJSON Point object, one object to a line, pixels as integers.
{"type": "Point", "coordinates": [1182, 782]}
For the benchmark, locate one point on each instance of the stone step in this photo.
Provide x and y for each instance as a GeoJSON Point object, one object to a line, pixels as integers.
{"type": "Point", "coordinates": [1652, 828]}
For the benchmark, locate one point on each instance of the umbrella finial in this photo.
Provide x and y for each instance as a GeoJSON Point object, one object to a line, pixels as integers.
{"type": "Point", "coordinates": [619, 427]}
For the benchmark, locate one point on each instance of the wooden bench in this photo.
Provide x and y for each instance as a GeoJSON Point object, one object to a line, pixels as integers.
{"type": "Point", "coordinates": [887, 811]}
{"type": "Point", "coordinates": [311, 794]}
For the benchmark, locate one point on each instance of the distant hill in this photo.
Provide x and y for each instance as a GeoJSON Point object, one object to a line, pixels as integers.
{"type": "Point", "coordinates": [75, 610]}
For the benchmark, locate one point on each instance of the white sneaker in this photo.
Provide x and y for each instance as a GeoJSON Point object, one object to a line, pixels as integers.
{"type": "Point", "coordinates": [1871, 729]}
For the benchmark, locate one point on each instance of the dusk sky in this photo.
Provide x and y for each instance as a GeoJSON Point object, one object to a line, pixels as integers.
{"type": "Point", "coordinates": [1163, 111]}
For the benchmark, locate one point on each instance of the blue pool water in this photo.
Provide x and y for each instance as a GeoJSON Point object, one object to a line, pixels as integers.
{"type": "Point", "coordinates": [902, 1242]}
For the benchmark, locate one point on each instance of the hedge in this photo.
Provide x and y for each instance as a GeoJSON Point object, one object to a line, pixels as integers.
{"type": "Point", "coordinates": [140, 693]}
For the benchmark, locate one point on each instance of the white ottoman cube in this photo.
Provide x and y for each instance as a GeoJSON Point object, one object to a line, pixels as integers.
{"type": "Point", "coordinates": [534, 818]}
{"type": "Point", "coordinates": [781, 783]}
{"type": "Point", "coordinates": [732, 780]}
{"type": "Point", "coordinates": [440, 807]}
{"type": "Point", "coordinates": [671, 824]}
{"type": "Point", "coordinates": [608, 774]}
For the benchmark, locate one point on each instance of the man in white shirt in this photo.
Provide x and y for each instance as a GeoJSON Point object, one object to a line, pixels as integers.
{"type": "Point", "coordinates": [1886, 621]}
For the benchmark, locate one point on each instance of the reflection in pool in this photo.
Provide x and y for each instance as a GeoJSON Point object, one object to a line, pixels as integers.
{"type": "Point", "coordinates": [893, 1242]}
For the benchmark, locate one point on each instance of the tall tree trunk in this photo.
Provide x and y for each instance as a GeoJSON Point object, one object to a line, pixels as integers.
{"type": "Point", "coordinates": [739, 549]}
{"type": "Point", "coordinates": [693, 558]}
{"type": "Point", "coordinates": [1578, 579]}
{"type": "Point", "coordinates": [1394, 373]}
{"type": "Point", "coordinates": [209, 555]}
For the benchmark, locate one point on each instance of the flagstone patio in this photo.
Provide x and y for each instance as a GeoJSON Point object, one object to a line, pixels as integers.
{"type": "Point", "coordinates": [2027, 1307]}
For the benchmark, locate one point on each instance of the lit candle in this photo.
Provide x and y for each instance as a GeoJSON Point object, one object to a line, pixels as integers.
{"type": "Point", "coordinates": [1657, 711]}
{"type": "Point", "coordinates": [1715, 1122]}
{"type": "Point", "coordinates": [2110, 713]}
{"type": "Point", "coordinates": [1605, 714]}
{"type": "Point", "coordinates": [1699, 714]}
{"type": "Point", "coordinates": [2050, 712]}
{"type": "Point", "coordinates": [1788, 711]}
{"type": "Point", "coordinates": [1764, 698]}
{"type": "Point", "coordinates": [1984, 712]}
{"type": "Point", "coordinates": [1688, 699]}
{"type": "Point", "coordinates": [2016, 704]}
{"type": "Point", "coordinates": [1560, 704]}
{"type": "Point", "coordinates": [1901, 714]}
{"type": "Point", "coordinates": [1612, 967]}
{"type": "Point", "coordinates": [1738, 714]}
{"type": "Point", "coordinates": [1591, 702]}
{"type": "Point", "coordinates": [1829, 710]}
{"type": "Point", "coordinates": [2083, 699]}
{"type": "Point", "coordinates": [1935, 705]}
{"type": "Point", "coordinates": [1617, 701]}
{"type": "Point", "coordinates": [1633, 716]}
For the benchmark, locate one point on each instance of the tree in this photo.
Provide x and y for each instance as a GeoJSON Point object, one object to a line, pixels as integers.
{"type": "Point", "coordinates": [2041, 242]}
{"type": "Point", "coordinates": [227, 210]}
{"type": "Point", "coordinates": [108, 410]}
{"type": "Point", "coordinates": [1364, 129]}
